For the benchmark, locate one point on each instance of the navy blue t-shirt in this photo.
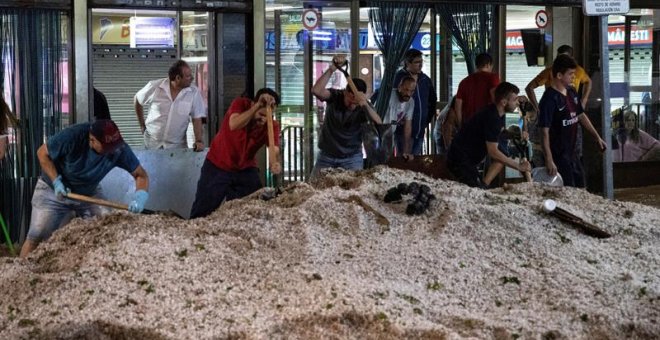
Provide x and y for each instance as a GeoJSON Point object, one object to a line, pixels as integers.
{"type": "Point", "coordinates": [82, 169]}
{"type": "Point", "coordinates": [341, 135]}
{"type": "Point", "coordinates": [560, 114]}
{"type": "Point", "coordinates": [484, 127]}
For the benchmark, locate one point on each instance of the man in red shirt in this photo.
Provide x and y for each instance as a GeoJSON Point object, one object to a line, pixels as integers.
{"type": "Point", "coordinates": [476, 90]}
{"type": "Point", "coordinates": [230, 169]}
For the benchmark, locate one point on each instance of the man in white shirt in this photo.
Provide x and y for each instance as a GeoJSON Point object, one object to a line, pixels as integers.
{"type": "Point", "coordinates": [171, 102]}
{"type": "Point", "coordinates": [400, 114]}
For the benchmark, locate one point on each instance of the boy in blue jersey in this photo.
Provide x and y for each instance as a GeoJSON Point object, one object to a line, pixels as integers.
{"type": "Point", "coordinates": [76, 160]}
{"type": "Point", "coordinates": [559, 112]}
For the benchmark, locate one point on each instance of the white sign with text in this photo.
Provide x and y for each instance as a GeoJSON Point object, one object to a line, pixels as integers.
{"type": "Point", "coordinates": [605, 7]}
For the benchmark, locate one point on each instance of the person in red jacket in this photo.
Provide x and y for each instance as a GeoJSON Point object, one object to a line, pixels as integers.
{"type": "Point", "coordinates": [477, 90]}
{"type": "Point", "coordinates": [230, 169]}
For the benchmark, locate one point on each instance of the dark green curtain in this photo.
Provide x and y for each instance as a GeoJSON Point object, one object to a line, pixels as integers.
{"type": "Point", "coordinates": [471, 25]}
{"type": "Point", "coordinates": [395, 26]}
{"type": "Point", "coordinates": [32, 57]}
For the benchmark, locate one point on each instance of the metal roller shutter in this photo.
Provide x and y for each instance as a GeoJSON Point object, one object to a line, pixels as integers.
{"type": "Point", "coordinates": [119, 72]}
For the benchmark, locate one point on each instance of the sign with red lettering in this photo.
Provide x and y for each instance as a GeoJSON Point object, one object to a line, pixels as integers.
{"type": "Point", "coordinates": [615, 37]}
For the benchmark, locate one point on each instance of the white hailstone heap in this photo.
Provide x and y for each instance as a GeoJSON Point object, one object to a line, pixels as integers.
{"type": "Point", "coordinates": [333, 260]}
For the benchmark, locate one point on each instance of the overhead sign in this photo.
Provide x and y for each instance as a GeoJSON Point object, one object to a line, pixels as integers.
{"type": "Point", "coordinates": [541, 19]}
{"type": "Point", "coordinates": [311, 19]}
{"type": "Point", "coordinates": [152, 31]}
{"type": "Point", "coordinates": [605, 7]}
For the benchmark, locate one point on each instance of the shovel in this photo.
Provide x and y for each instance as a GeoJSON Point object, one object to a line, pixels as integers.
{"type": "Point", "coordinates": [115, 205]}
{"type": "Point", "coordinates": [270, 193]}
{"type": "Point", "coordinates": [514, 133]}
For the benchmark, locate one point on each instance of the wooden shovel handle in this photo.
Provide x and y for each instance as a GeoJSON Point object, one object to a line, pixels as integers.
{"type": "Point", "coordinates": [351, 84]}
{"type": "Point", "coordinates": [271, 134]}
{"type": "Point", "coordinates": [527, 174]}
{"type": "Point", "coordinates": [97, 201]}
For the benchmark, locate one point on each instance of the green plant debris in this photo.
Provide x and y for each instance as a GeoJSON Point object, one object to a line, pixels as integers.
{"type": "Point", "coordinates": [628, 214]}
{"type": "Point", "coordinates": [411, 299]}
{"type": "Point", "coordinates": [417, 311]}
{"type": "Point", "coordinates": [592, 261]}
{"type": "Point", "coordinates": [150, 289]}
{"type": "Point", "coordinates": [642, 292]}
{"type": "Point", "coordinates": [11, 312]}
{"type": "Point", "coordinates": [26, 323]}
{"type": "Point", "coordinates": [461, 265]}
{"type": "Point", "coordinates": [199, 247]}
{"type": "Point", "coordinates": [317, 276]}
{"type": "Point", "coordinates": [498, 303]}
{"type": "Point", "coordinates": [182, 253]}
{"type": "Point", "coordinates": [563, 238]}
{"type": "Point", "coordinates": [515, 336]}
{"type": "Point", "coordinates": [627, 231]}
{"type": "Point", "coordinates": [128, 301]}
{"type": "Point", "coordinates": [381, 316]}
{"type": "Point", "coordinates": [335, 225]}
{"type": "Point", "coordinates": [329, 306]}
{"type": "Point", "coordinates": [435, 286]}
{"type": "Point", "coordinates": [517, 240]}
{"type": "Point", "coordinates": [584, 317]}
{"type": "Point", "coordinates": [509, 279]}
{"type": "Point", "coordinates": [33, 281]}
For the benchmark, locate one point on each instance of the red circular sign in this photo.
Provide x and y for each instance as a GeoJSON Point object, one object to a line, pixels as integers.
{"type": "Point", "coordinates": [311, 19]}
{"type": "Point", "coordinates": [541, 19]}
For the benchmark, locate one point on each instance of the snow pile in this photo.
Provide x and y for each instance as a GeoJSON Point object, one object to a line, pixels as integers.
{"type": "Point", "coordinates": [333, 260]}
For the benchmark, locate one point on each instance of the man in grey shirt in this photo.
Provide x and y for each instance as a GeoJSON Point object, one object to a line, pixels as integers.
{"type": "Point", "coordinates": [341, 134]}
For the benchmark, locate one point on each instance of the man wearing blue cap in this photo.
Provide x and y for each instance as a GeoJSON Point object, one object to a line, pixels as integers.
{"type": "Point", "coordinates": [76, 160]}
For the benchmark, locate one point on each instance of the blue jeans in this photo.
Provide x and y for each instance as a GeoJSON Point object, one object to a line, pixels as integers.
{"type": "Point", "coordinates": [50, 213]}
{"type": "Point", "coordinates": [323, 161]}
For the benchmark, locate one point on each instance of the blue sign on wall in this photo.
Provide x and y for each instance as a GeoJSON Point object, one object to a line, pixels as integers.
{"type": "Point", "coordinates": [339, 40]}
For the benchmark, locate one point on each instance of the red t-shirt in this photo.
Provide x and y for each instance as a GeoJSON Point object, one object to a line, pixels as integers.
{"type": "Point", "coordinates": [474, 91]}
{"type": "Point", "coordinates": [236, 150]}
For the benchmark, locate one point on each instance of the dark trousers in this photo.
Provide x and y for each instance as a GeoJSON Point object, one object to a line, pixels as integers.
{"type": "Point", "coordinates": [463, 168]}
{"type": "Point", "coordinates": [570, 169]}
{"type": "Point", "coordinates": [216, 185]}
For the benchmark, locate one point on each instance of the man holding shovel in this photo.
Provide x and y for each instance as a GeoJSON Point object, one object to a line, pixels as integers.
{"type": "Point", "coordinates": [478, 137]}
{"type": "Point", "coordinates": [230, 169]}
{"type": "Point", "coordinates": [341, 134]}
{"type": "Point", "coordinates": [75, 161]}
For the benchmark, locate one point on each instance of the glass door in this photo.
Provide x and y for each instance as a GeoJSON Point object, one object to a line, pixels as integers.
{"type": "Point", "coordinates": [301, 41]}
{"type": "Point", "coordinates": [634, 41]}
{"type": "Point", "coordinates": [194, 30]}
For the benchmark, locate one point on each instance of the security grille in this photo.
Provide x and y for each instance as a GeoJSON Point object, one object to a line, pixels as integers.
{"type": "Point", "coordinates": [119, 72]}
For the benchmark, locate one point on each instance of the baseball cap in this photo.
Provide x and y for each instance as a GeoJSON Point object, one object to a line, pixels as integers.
{"type": "Point", "coordinates": [107, 132]}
